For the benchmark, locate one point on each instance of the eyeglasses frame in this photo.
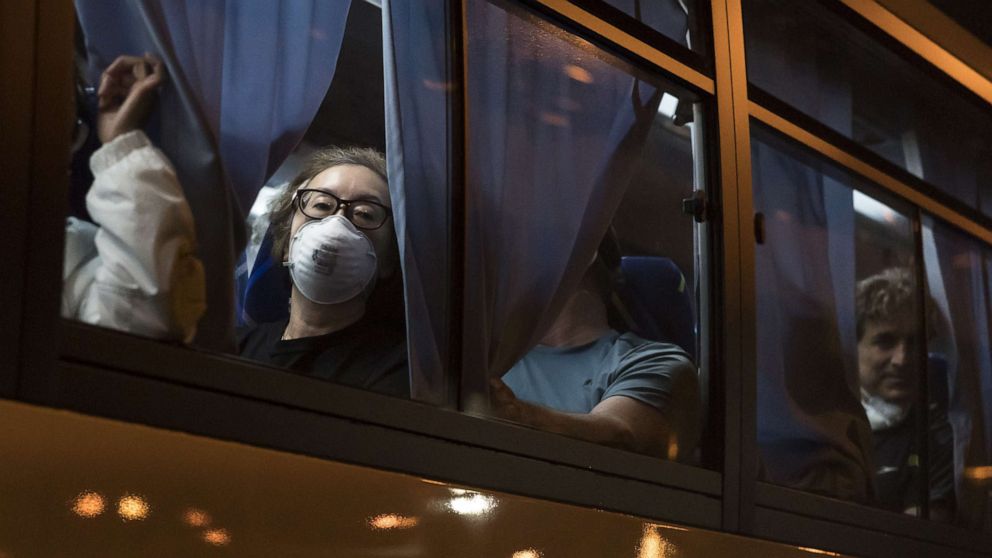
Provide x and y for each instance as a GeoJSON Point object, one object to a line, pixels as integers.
{"type": "Point", "coordinates": [342, 203]}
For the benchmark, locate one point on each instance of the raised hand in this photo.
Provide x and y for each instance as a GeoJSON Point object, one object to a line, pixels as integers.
{"type": "Point", "coordinates": [126, 94]}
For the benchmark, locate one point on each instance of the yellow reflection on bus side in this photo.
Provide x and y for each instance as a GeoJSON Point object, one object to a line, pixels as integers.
{"type": "Point", "coordinates": [653, 545]}
{"type": "Point", "coordinates": [388, 521]}
{"type": "Point", "coordinates": [132, 508]}
{"type": "Point", "coordinates": [89, 504]}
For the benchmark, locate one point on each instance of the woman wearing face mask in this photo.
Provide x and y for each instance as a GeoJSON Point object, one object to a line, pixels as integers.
{"type": "Point", "coordinates": [332, 227]}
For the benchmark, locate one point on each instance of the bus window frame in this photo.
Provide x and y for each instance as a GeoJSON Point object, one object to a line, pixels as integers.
{"type": "Point", "coordinates": [17, 105]}
{"type": "Point", "coordinates": [41, 225]}
{"type": "Point", "coordinates": [702, 60]}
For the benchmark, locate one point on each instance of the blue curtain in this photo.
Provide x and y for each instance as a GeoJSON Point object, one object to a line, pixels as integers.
{"type": "Point", "coordinates": [418, 93]}
{"type": "Point", "coordinates": [812, 431]}
{"type": "Point", "coordinates": [555, 128]}
{"type": "Point", "coordinates": [668, 17]}
{"type": "Point", "coordinates": [245, 79]}
{"type": "Point", "coordinates": [957, 282]}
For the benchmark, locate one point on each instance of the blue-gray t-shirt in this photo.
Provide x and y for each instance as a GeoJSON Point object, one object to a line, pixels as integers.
{"type": "Point", "coordinates": [576, 379]}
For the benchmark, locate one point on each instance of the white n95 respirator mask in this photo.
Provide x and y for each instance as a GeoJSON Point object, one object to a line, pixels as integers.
{"type": "Point", "coordinates": [331, 261]}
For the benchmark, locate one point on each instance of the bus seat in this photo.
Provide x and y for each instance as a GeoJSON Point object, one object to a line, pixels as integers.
{"type": "Point", "coordinates": [267, 289]}
{"type": "Point", "coordinates": [657, 299]}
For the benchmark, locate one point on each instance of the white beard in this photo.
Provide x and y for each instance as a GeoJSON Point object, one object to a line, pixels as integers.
{"type": "Point", "coordinates": [881, 413]}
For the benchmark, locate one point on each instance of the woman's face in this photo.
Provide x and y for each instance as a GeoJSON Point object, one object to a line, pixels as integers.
{"type": "Point", "coordinates": [355, 182]}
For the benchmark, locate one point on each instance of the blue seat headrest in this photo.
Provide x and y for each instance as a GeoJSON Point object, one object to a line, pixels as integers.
{"type": "Point", "coordinates": [655, 294]}
{"type": "Point", "coordinates": [265, 294]}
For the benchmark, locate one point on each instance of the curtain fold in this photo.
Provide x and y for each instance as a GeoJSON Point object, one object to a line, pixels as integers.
{"type": "Point", "coordinates": [812, 430]}
{"type": "Point", "coordinates": [245, 80]}
{"type": "Point", "coordinates": [555, 129]}
{"type": "Point", "coordinates": [957, 280]}
{"type": "Point", "coordinates": [418, 94]}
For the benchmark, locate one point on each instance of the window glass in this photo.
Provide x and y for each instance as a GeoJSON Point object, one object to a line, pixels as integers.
{"type": "Point", "coordinates": [676, 19]}
{"type": "Point", "coordinates": [839, 333]}
{"type": "Point", "coordinates": [581, 271]}
{"type": "Point", "coordinates": [811, 58]}
{"type": "Point", "coordinates": [960, 375]}
{"type": "Point", "coordinates": [275, 113]}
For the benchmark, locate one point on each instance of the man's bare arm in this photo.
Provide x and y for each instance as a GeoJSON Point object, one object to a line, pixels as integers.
{"type": "Point", "coordinates": [617, 421]}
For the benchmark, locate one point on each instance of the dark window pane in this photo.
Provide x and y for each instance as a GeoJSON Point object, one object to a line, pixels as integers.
{"type": "Point", "coordinates": [960, 375]}
{"type": "Point", "coordinates": [578, 162]}
{"type": "Point", "coordinates": [676, 19]}
{"type": "Point", "coordinates": [809, 57]}
{"type": "Point", "coordinates": [976, 17]}
{"type": "Point", "coordinates": [839, 334]}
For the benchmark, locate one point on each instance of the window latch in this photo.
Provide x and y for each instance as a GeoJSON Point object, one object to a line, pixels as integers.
{"type": "Point", "coordinates": [697, 207]}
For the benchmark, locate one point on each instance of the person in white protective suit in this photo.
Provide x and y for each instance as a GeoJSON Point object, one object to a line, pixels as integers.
{"type": "Point", "coordinates": [135, 269]}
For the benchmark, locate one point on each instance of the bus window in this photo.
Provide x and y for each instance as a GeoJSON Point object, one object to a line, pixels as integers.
{"type": "Point", "coordinates": [675, 19]}
{"type": "Point", "coordinates": [581, 270]}
{"type": "Point", "coordinates": [805, 55]}
{"type": "Point", "coordinates": [273, 113]}
{"type": "Point", "coordinates": [840, 340]}
{"type": "Point", "coordinates": [960, 375]}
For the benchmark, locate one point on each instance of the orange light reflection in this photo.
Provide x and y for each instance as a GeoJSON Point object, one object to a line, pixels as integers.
{"type": "Point", "coordinates": [196, 518]}
{"type": "Point", "coordinates": [978, 473]}
{"type": "Point", "coordinates": [578, 73]}
{"type": "Point", "coordinates": [89, 504]}
{"type": "Point", "coordinates": [673, 447]}
{"type": "Point", "coordinates": [528, 553]}
{"type": "Point", "coordinates": [217, 537]}
{"type": "Point", "coordinates": [653, 545]}
{"type": "Point", "coordinates": [392, 521]}
{"type": "Point", "coordinates": [132, 508]}
{"type": "Point", "coordinates": [555, 119]}
{"type": "Point", "coordinates": [818, 551]}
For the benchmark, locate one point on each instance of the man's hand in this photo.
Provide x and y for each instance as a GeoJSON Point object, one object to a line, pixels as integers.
{"type": "Point", "coordinates": [504, 403]}
{"type": "Point", "coordinates": [619, 422]}
{"type": "Point", "coordinates": [126, 94]}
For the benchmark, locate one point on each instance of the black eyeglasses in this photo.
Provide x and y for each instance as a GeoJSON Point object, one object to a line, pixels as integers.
{"type": "Point", "coordinates": [364, 214]}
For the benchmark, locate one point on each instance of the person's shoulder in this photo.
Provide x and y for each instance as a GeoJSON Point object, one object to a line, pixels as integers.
{"type": "Point", "coordinates": [630, 344]}
{"type": "Point", "coordinates": [252, 338]}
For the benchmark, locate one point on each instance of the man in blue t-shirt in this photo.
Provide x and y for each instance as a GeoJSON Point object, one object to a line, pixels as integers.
{"type": "Point", "coordinates": [587, 381]}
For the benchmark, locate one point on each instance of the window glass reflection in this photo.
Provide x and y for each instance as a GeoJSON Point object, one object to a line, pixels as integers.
{"type": "Point", "coordinates": [839, 332]}
{"type": "Point", "coordinates": [960, 374]}
{"type": "Point", "coordinates": [808, 56]}
{"type": "Point", "coordinates": [582, 268]}
{"type": "Point", "coordinates": [675, 19]}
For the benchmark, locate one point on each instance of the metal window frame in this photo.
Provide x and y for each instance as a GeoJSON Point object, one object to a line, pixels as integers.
{"type": "Point", "coordinates": [974, 74]}
{"type": "Point", "coordinates": [700, 59]}
{"type": "Point", "coordinates": [17, 107]}
{"type": "Point", "coordinates": [45, 203]}
{"type": "Point", "coordinates": [737, 294]}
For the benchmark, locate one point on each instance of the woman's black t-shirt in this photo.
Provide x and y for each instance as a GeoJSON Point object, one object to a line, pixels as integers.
{"type": "Point", "coordinates": [365, 354]}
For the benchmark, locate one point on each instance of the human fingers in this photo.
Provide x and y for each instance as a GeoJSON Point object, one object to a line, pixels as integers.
{"type": "Point", "coordinates": [122, 65]}
{"type": "Point", "coordinates": [500, 391]}
{"type": "Point", "coordinates": [116, 80]}
{"type": "Point", "coordinates": [156, 72]}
